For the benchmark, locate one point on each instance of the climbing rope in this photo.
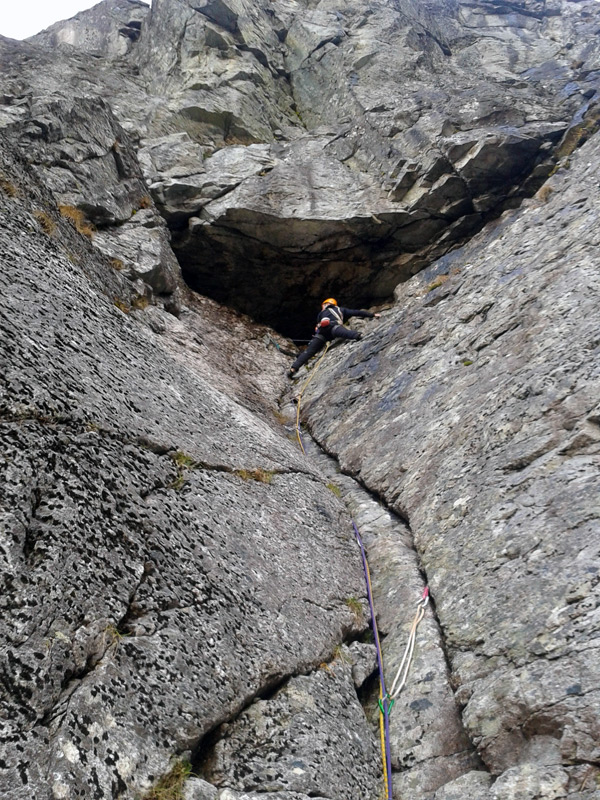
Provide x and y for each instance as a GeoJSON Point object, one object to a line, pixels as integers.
{"type": "Point", "coordinates": [387, 700]}
{"type": "Point", "coordinates": [398, 684]}
{"type": "Point", "coordinates": [312, 375]}
{"type": "Point", "coordinates": [385, 703]}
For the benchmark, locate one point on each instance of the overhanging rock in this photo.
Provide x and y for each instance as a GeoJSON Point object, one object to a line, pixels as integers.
{"type": "Point", "coordinates": [272, 228]}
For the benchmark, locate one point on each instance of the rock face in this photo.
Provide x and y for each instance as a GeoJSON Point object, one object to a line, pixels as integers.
{"type": "Point", "coordinates": [88, 161]}
{"type": "Point", "coordinates": [472, 408]}
{"type": "Point", "coordinates": [181, 589]}
{"type": "Point", "coordinates": [341, 147]}
{"type": "Point", "coordinates": [108, 28]}
{"type": "Point", "coordinates": [388, 131]}
{"type": "Point", "coordinates": [148, 594]}
{"type": "Point", "coordinates": [318, 721]}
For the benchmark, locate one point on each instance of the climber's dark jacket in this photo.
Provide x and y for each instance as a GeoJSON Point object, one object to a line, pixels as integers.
{"type": "Point", "coordinates": [337, 316]}
{"type": "Point", "coordinates": [330, 326]}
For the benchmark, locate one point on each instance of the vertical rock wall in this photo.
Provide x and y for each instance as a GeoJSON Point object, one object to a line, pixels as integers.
{"type": "Point", "coordinates": [356, 142]}
{"type": "Point", "coordinates": [167, 556]}
{"type": "Point", "coordinates": [472, 408]}
{"type": "Point", "coordinates": [179, 585]}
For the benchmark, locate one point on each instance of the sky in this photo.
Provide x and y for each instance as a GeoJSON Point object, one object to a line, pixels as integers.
{"type": "Point", "coordinates": [22, 18]}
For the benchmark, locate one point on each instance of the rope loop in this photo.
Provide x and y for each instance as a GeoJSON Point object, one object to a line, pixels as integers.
{"type": "Point", "coordinates": [402, 674]}
{"type": "Point", "coordinates": [386, 704]}
{"type": "Point", "coordinates": [384, 698]}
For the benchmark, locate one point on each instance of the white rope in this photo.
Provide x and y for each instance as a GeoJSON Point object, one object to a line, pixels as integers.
{"type": "Point", "coordinates": [402, 673]}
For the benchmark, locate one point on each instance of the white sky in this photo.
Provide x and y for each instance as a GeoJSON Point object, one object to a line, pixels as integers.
{"type": "Point", "coordinates": [22, 18]}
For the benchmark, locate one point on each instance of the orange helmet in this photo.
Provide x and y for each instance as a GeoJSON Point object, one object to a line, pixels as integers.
{"type": "Point", "coordinates": [331, 301]}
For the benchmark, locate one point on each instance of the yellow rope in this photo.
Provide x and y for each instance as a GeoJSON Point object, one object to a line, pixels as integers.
{"type": "Point", "coordinates": [381, 720]}
{"type": "Point", "coordinates": [382, 737]}
{"type": "Point", "coordinates": [368, 574]}
{"type": "Point", "coordinates": [312, 375]}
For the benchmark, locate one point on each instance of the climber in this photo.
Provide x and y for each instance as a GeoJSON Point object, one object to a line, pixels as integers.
{"type": "Point", "coordinates": [330, 325]}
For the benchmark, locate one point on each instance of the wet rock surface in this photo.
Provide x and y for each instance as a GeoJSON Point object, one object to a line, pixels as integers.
{"type": "Point", "coordinates": [472, 408]}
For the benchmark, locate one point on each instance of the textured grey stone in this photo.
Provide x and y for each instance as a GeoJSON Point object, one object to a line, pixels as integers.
{"type": "Point", "coordinates": [298, 148]}
{"type": "Point", "coordinates": [130, 626]}
{"type": "Point", "coordinates": [471, 407]}
{"type": "Point", "coordinates": [109, 28]}
{"type": "Point", "coordinates": [471, 784]}
{"type": "Point", "coordinates": [285, 743]}
{"type": "Point", "coordinates": [228, 794]}
{"type": "Point", "coordinates": [89, 164]}
{"type": "Point", "coordinates": [429, 745]}
{"type": "Point", "coordinates": [197, 789]}
{"type": "Point", "coordinates": [363, 657]}
{"type": "Point", "coordinates": [401, 170]}
{"type": "Point", "coordinates": [375, 176]}
{"type": "Point", "coordinates": [531, 782]}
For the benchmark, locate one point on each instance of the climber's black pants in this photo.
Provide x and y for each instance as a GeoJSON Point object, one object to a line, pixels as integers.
{"type": "Point", "coordinates": [318, 343]}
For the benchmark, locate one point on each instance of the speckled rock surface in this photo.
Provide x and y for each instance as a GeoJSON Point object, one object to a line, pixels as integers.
{"type": "Point", "coordinates": [472, 408]}
{"type": "Point", "coordinates": [165, 549]}
{"type": "Point", "coordinates": [428, 742]}
{"type": "Point", "coordinates": [174, 573]}
{"type": "Point", "coordinates": [285, 743]}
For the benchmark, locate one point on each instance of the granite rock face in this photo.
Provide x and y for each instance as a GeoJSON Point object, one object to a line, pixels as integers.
{"type": "Point", "coordinates": [109, 28]}
{"type": "Point", "coordinates": [471, 407]}
{"type": "Point", "coordinates": [430, 748]}
{"type": "Point", "coordinates": [343, 146]}
{"type": "Point", "coordinates": [277, 744]}
{"type": "Point", "coordinates": [179, 583]}
{"type": "Point", "coordinates": [161, 568]}
{"type": "Point", "coordinates": [389, 132]}
{"type": "Point", "coordinates": [89, 163]}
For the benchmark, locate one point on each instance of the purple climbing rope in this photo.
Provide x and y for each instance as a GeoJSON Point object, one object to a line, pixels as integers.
{"type": "Point", "coordinates": [384, 705]}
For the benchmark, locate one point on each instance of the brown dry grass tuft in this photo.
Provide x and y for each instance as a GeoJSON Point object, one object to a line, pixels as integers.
{"type": "Point", "coordinates": [46, 221]}
{"type": "Point", "coordinates": [260, 475]}
{"type": "Point", "coordinates": [121, 305]}
{"type": "Point", "coordinates": [439, 281]}
{"type": "Point", "coordinates": [170, 786]}
{"type": "Point", "coordinates": [79, 220]}
{"type": "Point", "coordinates": [140, 302]}
{"type": "Point", "coordinates": [7, 187]}
{"type": "Point", "coordinates": [544, 193]}
{"type": "Point", "coordinates": [355, 607]}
